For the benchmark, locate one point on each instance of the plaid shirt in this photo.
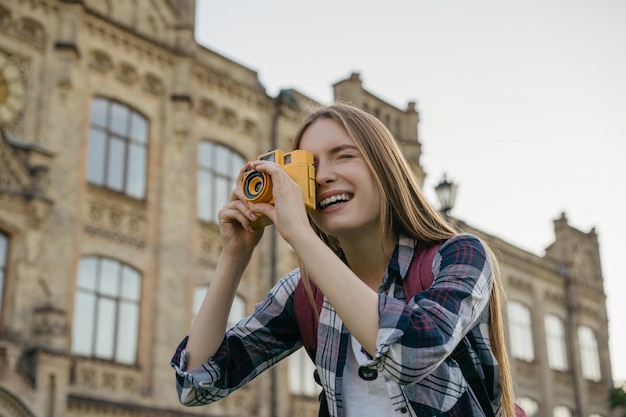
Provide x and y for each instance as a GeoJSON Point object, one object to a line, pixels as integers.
{"type": "Point", "coordinates": [414, 339]}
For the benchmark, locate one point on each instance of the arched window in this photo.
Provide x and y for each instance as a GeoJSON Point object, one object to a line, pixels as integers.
{"type": "Point", "coordinates": [520, 328]}
{"type": "Point", "coordinates": [589, 357]}
{"type": "Point", "coordinates": [4, 254]}
{"type": "Point", "coordinates": [218, 168]}
{"type": "Point", "coordinates": [555, 339]}
{"type": "Point", "coordinates": [561, 411]}
{"type": "Point", "coordinates": [106, 310]}
{"type": "Point", "coordinates": [118, 148]}
{"type": "Point", "coordinates": [530, 406]}
{"type": "Point", "coordinates": [237, 311]}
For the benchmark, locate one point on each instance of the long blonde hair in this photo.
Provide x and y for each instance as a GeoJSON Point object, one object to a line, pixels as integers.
{"type": "Point", "coordinates": [405, 210]}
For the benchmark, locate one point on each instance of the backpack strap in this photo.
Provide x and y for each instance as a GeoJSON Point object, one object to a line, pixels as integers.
{"type": "Point", "coordinates": [306, 319]}
{"type": "Point", "coordinates": [419, 276]}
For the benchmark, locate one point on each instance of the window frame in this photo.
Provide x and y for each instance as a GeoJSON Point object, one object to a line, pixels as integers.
{"type": "Point", "coordinates": [101, 297]}
{"type": "Point", "coordinates": [100, 164]}
{"type": "Point", "coordinates": [556, 343]}
{"type": "Point", "coordinates": [212, 181]}
{"type": "Point", "coordinates": [521, 338]}
{"type": "Point", "coordinates": [590, 364]}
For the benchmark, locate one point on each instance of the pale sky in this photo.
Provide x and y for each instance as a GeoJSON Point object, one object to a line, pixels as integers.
{"type": "Point", "coordinates": [522, 103]}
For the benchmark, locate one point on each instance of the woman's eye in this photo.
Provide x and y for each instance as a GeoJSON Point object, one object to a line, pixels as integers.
{"type": "Point", "coordinates": [345, 156]}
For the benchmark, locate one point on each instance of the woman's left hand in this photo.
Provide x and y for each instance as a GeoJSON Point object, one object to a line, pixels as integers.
{"type": "Point", "coordinates": [288, 212]}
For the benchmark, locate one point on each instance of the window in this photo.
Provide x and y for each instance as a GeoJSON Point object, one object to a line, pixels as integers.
{"type": "Point", "coordinates": [589, 353]}
{"type": "Point", "coordinates": [4, 254]}
{"type": "Point", "coordinates": [118, 143]}
{"type": "Point", "coordinates": [106, 310]}
{"type": "Point", "coordinates": [520, 327]}
{"type": "Point", "coordinates": [555, 339]}
{"type": "Point", "coordinates": [301, 369]}
{"type": "Point", "coordinates": [561, 411]}
{"type": "Point", "coordinates": [218, 168]}
{"type": "Point", "coordinates": [237, 311]}
{"type": "Point", "coordinates": [530, 406]}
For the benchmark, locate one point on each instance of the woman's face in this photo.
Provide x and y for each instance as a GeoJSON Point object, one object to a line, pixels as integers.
{"type": "Point", "coordinates": [348, 201]}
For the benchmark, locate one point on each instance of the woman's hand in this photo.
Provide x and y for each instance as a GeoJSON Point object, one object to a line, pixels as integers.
{"type": "Point", "coordinates": [288, 212]}
{"type": "Point", "coordinates": [239, 238]}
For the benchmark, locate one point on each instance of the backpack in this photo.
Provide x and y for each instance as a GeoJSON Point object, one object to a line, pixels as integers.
{"type": "Point", "coordinates": [419, 277]}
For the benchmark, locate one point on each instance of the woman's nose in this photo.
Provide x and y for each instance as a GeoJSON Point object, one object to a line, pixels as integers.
{"type": "Point", "coordinates": [323, 174]}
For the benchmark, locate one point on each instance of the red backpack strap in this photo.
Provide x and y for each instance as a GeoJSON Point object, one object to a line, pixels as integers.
{"type": "Point", "coordinates": [306, 319]}
{"type": "Point", "coordinates": [419, 277]}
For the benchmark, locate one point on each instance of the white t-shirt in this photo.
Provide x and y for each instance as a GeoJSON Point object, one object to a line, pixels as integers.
{"type": "Point", "coordinates": [363, 398]}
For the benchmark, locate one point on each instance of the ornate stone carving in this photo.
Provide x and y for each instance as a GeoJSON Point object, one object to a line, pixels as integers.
{"type": "Point", "coordinates": [117, 219]}
{"type": "Point", "coordinates": [153, 84]}
{"type": "Point", "coordinates": [127, 73]}
{"type": "Point", "coordinates": [228, 117]}
{"type": "Point", "coordinates": [100, 61]}
{"type": "Point", "coordinates": [50, 327]}
{"type": "Point", "coordinates": [207, 108]}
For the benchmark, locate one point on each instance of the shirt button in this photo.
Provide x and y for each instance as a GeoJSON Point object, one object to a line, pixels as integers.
{"type": "Point", "coordinates": [404, 410]}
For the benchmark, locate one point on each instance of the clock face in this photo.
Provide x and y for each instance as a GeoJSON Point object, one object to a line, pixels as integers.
{"type": "Point", "coordinates": [11, 90]}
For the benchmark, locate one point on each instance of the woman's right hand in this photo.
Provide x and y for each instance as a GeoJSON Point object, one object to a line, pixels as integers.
{"type": "Point", "coordinates": [239, 238]}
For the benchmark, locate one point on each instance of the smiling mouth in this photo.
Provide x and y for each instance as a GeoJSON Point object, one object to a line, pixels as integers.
{"type": "Point", "coordinates": [335, 199]}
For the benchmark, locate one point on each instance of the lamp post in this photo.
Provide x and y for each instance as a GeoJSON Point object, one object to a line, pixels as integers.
{"type": "Point", "coordinates": [446, 193]}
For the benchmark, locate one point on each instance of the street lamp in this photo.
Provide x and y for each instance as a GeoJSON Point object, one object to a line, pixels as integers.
{"type": "Point", "coordinates": [446, 193]}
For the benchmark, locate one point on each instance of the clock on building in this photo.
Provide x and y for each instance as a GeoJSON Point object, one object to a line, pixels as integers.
{"type": "Point", "coordinates": [11, 89]}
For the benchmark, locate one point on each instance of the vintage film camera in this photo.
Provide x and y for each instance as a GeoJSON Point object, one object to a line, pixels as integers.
{"type": "Point", "coordinates": [298, 164]}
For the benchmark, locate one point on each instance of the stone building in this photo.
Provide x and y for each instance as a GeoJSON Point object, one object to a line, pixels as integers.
{"type": "Point", "coordinates": [120, 139]}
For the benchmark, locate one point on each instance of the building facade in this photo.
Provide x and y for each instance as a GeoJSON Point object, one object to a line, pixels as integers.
{"type": "Point", "coordinates": [121, 137]}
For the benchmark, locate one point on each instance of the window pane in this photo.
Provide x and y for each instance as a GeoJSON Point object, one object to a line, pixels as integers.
{"type": "Point", "coordinates": [521, 331]}
{"type": "Point", "coordinates": [127, 331]}
{"type": "Point", "coordinates": [4, 248]}
{"type": "Point", "coordinates": [221, 195]}
{"type": "Point", "coordinates": [530, 407]}
{"type": "Point", "coordinates": [131, 283]}
{"type": "Point", "coordinates": [136, 183]}
{"type": "Point", "coordinates": [97, 155]}
{"type": "Point", "coordinates": [105, 328]}
{"type": "Point", "coordinates": [562, 411]}
{"type": "Point", "coordinates": [87, 273]}
{"type": "Point", "coordinates": [237, 163]}
{"type": "Point", "coordinates": [204, 154]}
{"type": "Point", "coordinates": [98, 112]}
{"type": "Point", "coordinates": [82, 329]}
{"type": "Point", "coordinates": [109, 277]}
{"type": "Point", "coordinates": [204, 196]}
{"type": "Point", "coordinates": [106, 314]}
{"type": "Point", "coordinates": [555, 339]}
{"type": "Point", "coordinates": [115, 172]}
{"type": "Point", "coordinates": [138, 128]}
{"type": "Point", "coordinates": [589, 354]}
{"type": "Point", "coordinates": [119, 119]}
{"type": "Point", "coordinates": [222, 158]}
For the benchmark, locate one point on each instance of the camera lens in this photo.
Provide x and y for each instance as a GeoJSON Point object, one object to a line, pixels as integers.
{"type": "Point", "coordinates": [257, 187]}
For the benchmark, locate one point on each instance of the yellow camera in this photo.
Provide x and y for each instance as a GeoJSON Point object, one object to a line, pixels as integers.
{"type": "Point", "coordinates": [298, 164]}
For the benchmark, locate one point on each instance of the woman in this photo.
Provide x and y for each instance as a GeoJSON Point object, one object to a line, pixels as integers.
{"type": "Point", "coordinates": [370, 210]}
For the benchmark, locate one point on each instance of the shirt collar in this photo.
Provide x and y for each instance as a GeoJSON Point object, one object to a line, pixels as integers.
{"type": "Point", "coordinates": [402, 255]}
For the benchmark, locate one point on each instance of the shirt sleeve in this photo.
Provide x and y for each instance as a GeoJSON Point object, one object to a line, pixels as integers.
{"type": "Point", "coordinates": [415, 338]}
{"type": "Point", "coordinates": [253, 345]}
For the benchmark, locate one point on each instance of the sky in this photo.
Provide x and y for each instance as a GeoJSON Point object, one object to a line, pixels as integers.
{"type": "Point", "coordinates": [522, 103]}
